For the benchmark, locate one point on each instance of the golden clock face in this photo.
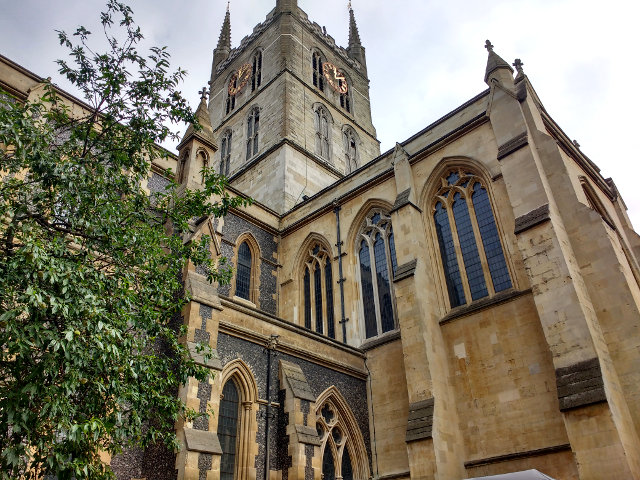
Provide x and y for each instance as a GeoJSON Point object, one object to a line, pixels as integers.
{"type": "Point", "coordinates": [239, 79]}
{"type": "Point", "coordinates": [335, 78]}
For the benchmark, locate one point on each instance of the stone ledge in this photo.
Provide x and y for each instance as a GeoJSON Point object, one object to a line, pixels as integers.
{"type": "Point", "coordinates": [512, 145]}
{"type": "Point", "coordinates": [203, 442]}
{"type": "Point", "coordinates": [464, 310]}
{"type": "Point", "coordinates": [201, 290]}
{"type": "Point", "coordinates": [383, 339]}
{"type": "Point", "coordinates": [405, 271]}
{"type": "Point", "coordinates": [580, 385]}
{"type": "Point", "coordinates": [420, 421]}
{"type": "Point", "coordinates": [402, 200]}
{"type": "Point", "coordinates": [307, 435]}
{"type": "Point", "coordinates": [293, 375]}
{"type": "Point", "coordinates": [199, 357]}
{"type": "Point", "coordinates": [531, 219]}
{"type": "Point", "coordinates": [508, 457]}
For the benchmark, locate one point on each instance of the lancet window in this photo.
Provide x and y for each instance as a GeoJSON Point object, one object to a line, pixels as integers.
{"type": "Point", "coordinates": [318, 78]}
{"type": "Point", "coordinates": [256, 72]}
{"type": "Point", "coordinates": [318, 291]}
{"type": "Point", "coordinates": [231, 99]}
{"type": "Point", "coordinates": [337, 444]}
{"type": "Point", "coordinates": [243, 272]}
{"type": "Point", "coordinates": [470, 247]}
{"type": "Point", "coordinates": [253, 126]}
{"type": "Point", "coordinates": [345, 101]}
{"type": "Point", "coordinates": [350, 143]}
{"type": "Point", "coordinates": [228, 429]}
{"type": "Point", "coordinates": [225, 153]}
{"type": "Point", "coordinates": [377, 259]}
{"type": "Point", "coordinates": [322, 124]}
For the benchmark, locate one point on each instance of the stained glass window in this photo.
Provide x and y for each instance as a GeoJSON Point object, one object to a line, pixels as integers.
{"type": "Point", "coordinates": [228, 429]}
{"type": "Point", "coordinates": [318, 280]}
{"type": "Point", "coordinates": [307, 299]}
{"type": "Point", "coordinates": [328, 276]}
{"type": "Point", "coordinates": [377, 253]}
{"type": "Point", "coordinates": [243, 272]}
{"type": "Point", "coordinates": [471, 240]}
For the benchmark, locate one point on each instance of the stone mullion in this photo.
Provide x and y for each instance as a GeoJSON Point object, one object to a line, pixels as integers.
{"type": "Point", "coordinates": [458, 249]}
{"type": "Point", "coordinates": [374, 283]}
{"type": "Point", "coordinates": [387, 247]}
{"type": "Point", "coordinates": [323, 293]}
{"type": "Point", "coordinates": [476, 232]}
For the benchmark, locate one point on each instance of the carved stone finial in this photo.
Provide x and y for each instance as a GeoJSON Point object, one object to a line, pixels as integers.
{"type": "Point", "coordinates": [518, 64]}
{"type": "Point", "coordinates": [203, 93]}
{"type": "Point", "coordinates": [577, 145]}
{"type": "Point", "coordinates": [488, 46]}
{"type": "Point", "coordinates": [228, 5]}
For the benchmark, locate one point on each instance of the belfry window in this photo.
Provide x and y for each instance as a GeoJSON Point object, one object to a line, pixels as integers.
{"type": "Point", "coordinates": [376, 252]}
{"type": "Point", "coordinates": [253, 126]}
{"type": "Point", "coordinates": [470, 248]}
{"type": "Point", "coordinates": [345, 102]}
{"type": "Point", "coordinates": [243, 272]}
{"type": "Point", "coordinates": [231, 99]}
{"type": "Point", "coordinates": [318, 78]}
{"type": "Point", "coordinates": [228, 429]}
{"type": "Point", "coordinates": [350, 144]}
{"type": "Point", "coordinates": [225, 153]}
{"type": "Point", "coordinates": [318, 292]}
{"type": "Point", "coordinates": [322, 124]}
{"type": "Point", "coordinates": [256, 72]}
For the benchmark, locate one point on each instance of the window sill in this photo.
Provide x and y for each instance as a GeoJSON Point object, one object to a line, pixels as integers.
{"type": "Point", "coordinates": [244, 301]}
{"type": "Point", "coordinates": [374, 342]}
{"type": "Point", "coordinates": [483, 303]}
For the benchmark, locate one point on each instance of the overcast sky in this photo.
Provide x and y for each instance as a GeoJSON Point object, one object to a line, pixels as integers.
{"type": "Point", "coordinates": [424, 58]}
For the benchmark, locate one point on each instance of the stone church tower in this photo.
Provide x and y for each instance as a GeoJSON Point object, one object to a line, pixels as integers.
{"type": "Point", "coordinates": [292, 107]}
{"type": "Point", "coordinates": [464, 306]}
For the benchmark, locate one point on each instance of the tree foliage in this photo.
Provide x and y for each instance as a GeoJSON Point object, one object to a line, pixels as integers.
{"type": "Point", "coordinates": [90, 273]}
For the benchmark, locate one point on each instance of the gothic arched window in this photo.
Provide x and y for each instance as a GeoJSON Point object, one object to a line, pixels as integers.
{"type": "Point", "coordinates": [350, 143]}
{"type": "Point", "coordinates": [256, 72]}
{"type": "Point", "coordinates": [231, 99]}
{"type": "Point", "coordinates": [318, 78]}
{"type": "Point", "coordinates": [253, 126]}
{"type": "Point", "coordinates": [470, 247]}
{"type": "Point", "coordinates": [377, 258]}
{"type": "Point", "coordinates": [228, 429]}
{"type": "Point", "coordinates": [318, 292]}
{"type": "Point", "coordinates": [322, 125]}
{"type": "Point", "coordinates": [345, 101]}
{"type": "Point", "coordinates": [243, 272]}
{"type": "Point", "coordinates": [225, 153]}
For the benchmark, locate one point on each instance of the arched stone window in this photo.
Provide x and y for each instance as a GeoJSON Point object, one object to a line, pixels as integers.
{"type": "Point", "coordinates": [322, 122]}
{"type": "Point", "coordinates": [231, 99]}
{"type": "Point", "coordinates": [247, 269]}
{"type": "Point", "coordinates": [345, 94]}
{"type": "Point", "coordinates": [182, 166]}
{"type": "Point", "coordinates": [237, 425]}
{"type": "Point", "coordinates": [470, 247]}
{"type": "Point", "coordinates": [243, 272]}
{"type": "Point", "coordinates": [376, 252]}
{"type": "Point", "coordinates": [253, 127]}
{"type": "Point", "coordinates": [343, 452]}
{"type": "Point", "coordinates": [316, 65]}
{"type": "Point", "coordinates": [256, 72]}
{"type": "Point", "coordinates": [350, 143]}
{"type": "Point", "coordinates": [228, 417]}
{"type": "Point", "coordinates": [317, 291]}
{"type": "Point", "coordinates": [225, 153]}
{"type": "Point", "coordinates": [203, 162]}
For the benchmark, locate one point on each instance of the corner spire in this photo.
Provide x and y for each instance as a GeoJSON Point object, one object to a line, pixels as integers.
{"type": "Point", "coordinates": [355, 50]}
{"type": "Point", "coordinates": [496, 67]}
{"type": "Point", "coordinates": [225, 33]}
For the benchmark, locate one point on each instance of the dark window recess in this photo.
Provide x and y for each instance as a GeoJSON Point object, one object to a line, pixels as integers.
{"type": "Point", "coordinates": [347, 469]}
{"type": "Point", "coordinates": [228, 429]}
{"type": "Point", "coordinates": [449, 259]}
{"type": "Point", "coordinates": [231, 99]}
{"type": "Point", "coordinates": [243, 273]}
{"type": "Point", "coordinates": [384, 288]}
{"type": "Point", "coordinates": [307, 299]}
{"type": "Point", "coordinates": [328, 467]}
{"type": "Point", "coordinates": [371, 329]}
{"type": "Point", "coordinates": [318, 79]}
{"type": "Point", "coordinates": [317, 281]}
{"type": "Point", "coordinates": [331, 330]}
{"type": "Point", "coordinates": [256, 73]}
{"type": "Point", "coordinates": [470, 255]}
{"type": "Point", "coordinates": [225, 154]}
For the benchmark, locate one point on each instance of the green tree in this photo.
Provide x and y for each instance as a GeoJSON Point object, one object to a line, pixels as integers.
{"type": "Point", "coordinates": [90, 265]}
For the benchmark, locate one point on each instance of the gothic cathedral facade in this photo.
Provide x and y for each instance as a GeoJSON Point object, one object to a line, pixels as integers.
{"type": "Point", "coordinates": [465, 305]}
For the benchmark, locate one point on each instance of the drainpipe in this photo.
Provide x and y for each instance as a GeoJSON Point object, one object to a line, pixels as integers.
{"type": "Point", "coordinates": [343, 320]}
{"type": "Point", "coordinates": [271, 347]}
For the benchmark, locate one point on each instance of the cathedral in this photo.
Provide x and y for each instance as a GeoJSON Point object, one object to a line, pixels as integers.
{"type": "Point", "coordinates": [466, 305]}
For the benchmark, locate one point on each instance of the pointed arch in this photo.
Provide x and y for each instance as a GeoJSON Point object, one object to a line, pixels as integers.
{"type": "Point", "coordinates": [356, 223]}
{"type": "Point", "coordinates": [351, 145]}
{"type": "Point", "coordinates": [203, 162]}
{"type": "Point", "coordinates": [246, 448]}
{"type": "Point", "coordinates": [331, 400]}
{"type": "Point", "coordinates": [250, 241]}
{"type": "Point", "coordinates": [323, 124]}
{"type": "Point", "coordinates": [317, 77]}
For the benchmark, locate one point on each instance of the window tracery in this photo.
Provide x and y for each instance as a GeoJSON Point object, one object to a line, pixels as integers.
{"type": "Point", "coordinates": [377, 259]}
{"type": "Point", "coordinates": [225, 153]}
{"type": "Point", "coordinates": [322, 124]}
{"type": "Point", "coordinates": [256, 72]}
{"type": "Point", "coordinates": [318, 75]}
{"type": "Point", "coordinates": [350, 142]}
{"type": "Point", "coordinates": [470, 248]}
{"type": "Point", "coordinates": [253, 126]}
{"type": "Point", "coordinates": [318, 291]}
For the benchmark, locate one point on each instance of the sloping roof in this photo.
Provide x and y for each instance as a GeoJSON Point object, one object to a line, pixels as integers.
{"type": "Point", "coordinates": [524, 475]}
